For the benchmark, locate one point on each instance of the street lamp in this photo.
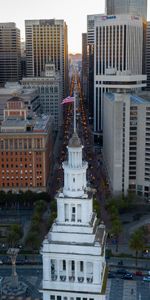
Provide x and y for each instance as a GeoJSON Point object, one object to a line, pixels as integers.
{"type": "Point", "coordinates": [1, 278]}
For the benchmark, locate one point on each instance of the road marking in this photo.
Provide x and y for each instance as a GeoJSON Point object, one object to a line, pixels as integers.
{"type": "Point", "coordinates": [108, 288]}
{"type": "Point", "coordinates": [128, 287]}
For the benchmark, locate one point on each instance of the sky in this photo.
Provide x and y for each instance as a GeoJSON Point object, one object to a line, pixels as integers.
{"type": "Point", "coordinates": [73, 12]}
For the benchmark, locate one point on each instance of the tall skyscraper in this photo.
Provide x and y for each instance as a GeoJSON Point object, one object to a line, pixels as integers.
{"type": "Point", "coordinates": [131, 7]}
{"type": "Point", "coordinates": [10, 53]}
{"type": "Point", "coordinates": [118, 54]}
{"type": "Point", "coordinates": [46, 40]}
{"type": "Point", "coordinates": [148, 55]}
{"type": "Point", "coordinates": [126, 138]}
{"type": "Point", "coordinates": [84, 64]}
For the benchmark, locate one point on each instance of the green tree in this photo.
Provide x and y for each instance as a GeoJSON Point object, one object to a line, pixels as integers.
{"type": "Point", "coordinates": [33, 240]}
{"type": "Point", "coordinates": [14, 235]}
{"type": "Point", "coordinates": [116, 230]}
{"type": "Point", "coordinates": [136, 242]}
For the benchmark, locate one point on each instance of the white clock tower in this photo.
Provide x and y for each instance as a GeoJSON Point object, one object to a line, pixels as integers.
{"type": "Point", "coordinates": [74, 250]}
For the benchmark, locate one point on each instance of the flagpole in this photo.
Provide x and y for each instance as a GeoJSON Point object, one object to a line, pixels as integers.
{"type": "Point", "coordinates": [74, 111]}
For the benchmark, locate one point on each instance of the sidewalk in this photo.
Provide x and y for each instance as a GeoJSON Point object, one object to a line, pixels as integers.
{"type": "Point", "coordinates": [130, 263]}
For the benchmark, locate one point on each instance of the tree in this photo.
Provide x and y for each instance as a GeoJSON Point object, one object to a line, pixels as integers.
{"type": "Point", "coordinates": [136, 242]}
{"type": "Point", "coordinates": [116, 230]}
{"type": "Point", "coordinates": [33, 240]}
{"type": "Point", "coordinates": [14, 235]}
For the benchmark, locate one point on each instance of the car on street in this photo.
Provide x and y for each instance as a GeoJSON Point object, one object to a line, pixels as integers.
{"type": "Point", "coordinates": [146, 278]}
{"type": "Point", "coordinates": [111, 274]}
{"type": "Point", "coordinates": [1, 262]}
{"type": "Point", "coordinates": [127, 276]}
{"type": "Point", "coordinates": [121, 271]}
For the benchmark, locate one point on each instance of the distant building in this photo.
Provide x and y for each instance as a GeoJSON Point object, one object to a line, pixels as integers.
{"type": "Point", "coordinates": [25, 148]}
{"type": "Point", "coordinates": [148, 55]}
{"type": "Point", "coordinates": [10, 53]}
{"type": "Point", "coordinates": [84, 66]}
{"type": "Point", "coordinates": [49, 85]}
{"type": "Point", "coordinates": [46, 40]}
{"type": "Point", "coordinates": [130, 7]}
{"type": "Point", "coordinates": [23, 60]}
{"type": "Point", "coordinates": [126, 138]}
{"type": "Point", "coordinates": [30, 97]}
{"type": "Point", "coordinates": [118, 54]}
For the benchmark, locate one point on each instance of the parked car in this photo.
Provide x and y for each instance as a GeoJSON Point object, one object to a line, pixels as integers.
{"type": "Point", "coordinates": [111, 274]}
{"type": "Point", "coordinates": [139, 273]}
{"type": "Point", "coordinates": [146, 278]}
{"type": "Point", "coordinates": [128, 276]}
{"type": "Point", "coordinates": [121, 271]}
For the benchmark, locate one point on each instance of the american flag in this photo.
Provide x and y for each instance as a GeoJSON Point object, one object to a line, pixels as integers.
{"type": "Point", "coordinates": [69, 99]}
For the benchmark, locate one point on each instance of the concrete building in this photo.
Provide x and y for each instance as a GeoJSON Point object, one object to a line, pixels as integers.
{"type": "Point", "coordinates": [118, 54]}
{"type": "Point", "coordinates": [127, 142]}
{"type": "Point", "coordinates": [49, 86]}
{"type": "Point", "coordinates": [84, 65]}
{"type": "Point", "coordinates": [74, 250]}
{"type": "Point", "coordinates": [46, 40]}
{"type": "Point", "coordinates": [148, 55]}
{"type": "Point", "coordinates": [30, 97]}
{"type": "Point", "coordinates": [129, 7]}
{"type": "Point", "coordinates": [10, 53]}
{"type": "Point", "coordinates": [25, 148]}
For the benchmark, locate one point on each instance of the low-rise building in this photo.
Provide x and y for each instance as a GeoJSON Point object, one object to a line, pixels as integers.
{"type": "Point", "coordinates": [25, 148]}
{"type": "Point", "coordinates": [30, 97]}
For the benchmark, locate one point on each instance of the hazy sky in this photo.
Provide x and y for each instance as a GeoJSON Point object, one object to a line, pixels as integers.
{"type": "Point", "coordinates": [73, 12]}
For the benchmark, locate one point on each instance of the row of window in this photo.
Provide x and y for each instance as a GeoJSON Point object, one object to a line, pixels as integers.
{"type": "Point", "coordinates": [53, 297]}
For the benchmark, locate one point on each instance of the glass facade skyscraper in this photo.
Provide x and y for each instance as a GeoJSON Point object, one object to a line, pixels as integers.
{"type": "Point", "coordinates": [135, 7]}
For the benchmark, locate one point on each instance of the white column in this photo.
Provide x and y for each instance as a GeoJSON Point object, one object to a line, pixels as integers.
{"type": "Point", "coordinates": [76, 271]}
{"type": "Point", "coordinates": [85, 271]}
{"type": "Point", "coordinates": [46, 267]}
{"type": "Point", "coordinates": [96, 272]}
{"type": "Point", "coordinates": [58, 275]}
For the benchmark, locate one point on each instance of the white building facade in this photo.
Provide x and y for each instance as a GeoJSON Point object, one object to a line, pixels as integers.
{"type": "Point", "coordinates": [74, 250]}
{"type": "Point", "coordinates": [47, 40]}
{"type": "Point", "coordinates": [127, 142]}
{"type": "Point", "coordinates": [118, 54]}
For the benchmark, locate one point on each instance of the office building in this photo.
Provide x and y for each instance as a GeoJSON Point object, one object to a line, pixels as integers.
{"type": "Point", "coordinates": [126, 140]}
{"type": "Point", "coordinates": [118, 54]}
{"type": "Point", "coordinates": [148, 55]}
{"type": "Point", "coordinates": [25, 148]}
{"type": "Point", "coordinates": [73, 251]}
{"type": "Point", "coordinates": [84, 65]}
{"type": "Point", "coordinates": [129, 7]}
{"type": "Point", "coordinates": [46, 40]}
{"type": "Point", "coordinates": [10, 53]}
{"type": "Point", "coordinates": [49, 86]}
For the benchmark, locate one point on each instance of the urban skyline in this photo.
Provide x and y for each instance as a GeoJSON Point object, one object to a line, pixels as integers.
{"type": "Point", "coordinates": [57, 10]}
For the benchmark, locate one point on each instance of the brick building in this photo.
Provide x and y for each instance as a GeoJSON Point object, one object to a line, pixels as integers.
{"type": "Point", "coordinates": [25, 148]}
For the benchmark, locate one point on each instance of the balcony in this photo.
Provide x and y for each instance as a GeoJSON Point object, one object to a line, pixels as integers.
{"type": "Point", "coordinates": [89, 279]}
{"type": "Point", "coordinates": [62, 278]}
{"type": "Point", "coordinates": [80, 279]}
{"type": "Point", "coordinates": [54, 277]}
{"type": "Point", "coordinates": [71, 278]}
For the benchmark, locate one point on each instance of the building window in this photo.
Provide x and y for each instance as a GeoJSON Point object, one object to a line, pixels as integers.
{"type": "Point", "coordinates": [81, 266]}
{"type": "Point", "coordinates": [72, 265]}
{"type": "Point", "coordinates": [52, 297]}
{"type": "Point", "coordinates": [58, 297]}
{"type": "Point", "coordinates": [64, 265]}
{"type": "Point", "coordinates": [73, 214]}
